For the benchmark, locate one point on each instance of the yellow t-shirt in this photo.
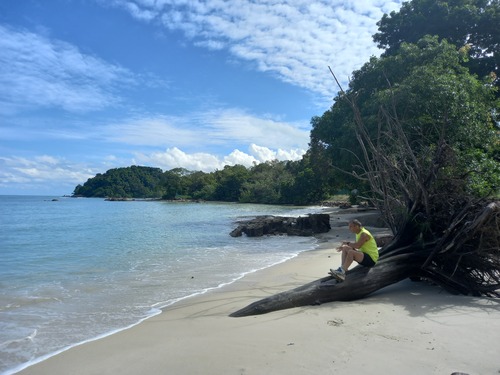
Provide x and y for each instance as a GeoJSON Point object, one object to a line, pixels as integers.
{"type": "Point", "coordinates": [370, 246]}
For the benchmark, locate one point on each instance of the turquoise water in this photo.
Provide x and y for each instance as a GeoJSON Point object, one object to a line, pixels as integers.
{"type": "Point", "coordinates": [73, 270]}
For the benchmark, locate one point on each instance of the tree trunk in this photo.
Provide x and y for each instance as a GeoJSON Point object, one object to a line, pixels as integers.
{"type": "Point", "coordinates": [359, 283]}
{"type": "Point", "coordinates": [465, 260]}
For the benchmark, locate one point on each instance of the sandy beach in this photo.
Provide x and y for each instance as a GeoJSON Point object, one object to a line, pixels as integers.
{"type": "Point", "coordinates": [406, 328]}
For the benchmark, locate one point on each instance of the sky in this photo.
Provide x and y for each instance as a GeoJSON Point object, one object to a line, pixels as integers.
{"type": "Point", "coordinates": [90, 85]}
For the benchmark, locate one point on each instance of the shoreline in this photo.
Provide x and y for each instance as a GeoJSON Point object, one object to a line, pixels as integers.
{"type": "Point", "coordinates": [19, 369]}
{"type": "Point", "coordinates": [429, 330]}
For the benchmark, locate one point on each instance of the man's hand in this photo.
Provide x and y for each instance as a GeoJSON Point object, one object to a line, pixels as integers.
{"type": "Point", "coordinates": [342, 247]}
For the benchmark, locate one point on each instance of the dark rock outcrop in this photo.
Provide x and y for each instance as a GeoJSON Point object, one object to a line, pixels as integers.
{"type": "Point", "coordinates": [276, 225]}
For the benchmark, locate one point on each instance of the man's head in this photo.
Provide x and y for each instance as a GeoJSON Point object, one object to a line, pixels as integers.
{"type": "Point", "coordinates": [355, 226]}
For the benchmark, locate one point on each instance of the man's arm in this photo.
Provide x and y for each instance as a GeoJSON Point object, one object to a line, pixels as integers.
{"type": "Point", "coordinates": [358, 244]}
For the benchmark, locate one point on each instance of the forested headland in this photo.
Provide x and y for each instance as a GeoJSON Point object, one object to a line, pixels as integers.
{"type": "Point", "coordinates": [273, 182]}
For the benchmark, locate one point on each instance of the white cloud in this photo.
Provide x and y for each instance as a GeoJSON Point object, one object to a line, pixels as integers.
{"type": "Point", "coordinates": [42, 168]}
{"type": "Point", "coordinates": [176, 158]}
{"type": "Point", "coordinates": [37, 72]}
{"type": "Point", "coordinates": [237, 126]}
{"type": "Point", "coordinates": [263, 154]}
{"type": "Point", "coordinates": [205, 129]}
{"type": "Point", "coordinates": [150, 131]}
{"type": "Point", "coordinates": [210, 44]}
{"type": "Point", "coordinates": [238, 157]}
{"type": "Point", "coordinates": [296, 40]}
{"type": "Point", "coordinates": [42, 173]}
{"type": "Point", "coordinates": [140, 13]}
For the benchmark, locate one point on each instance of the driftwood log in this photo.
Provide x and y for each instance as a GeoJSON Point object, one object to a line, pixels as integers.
{"type": "Point", "coordinates": [360, 282]}
{"type": "Point", "coordinates": [464, 261]}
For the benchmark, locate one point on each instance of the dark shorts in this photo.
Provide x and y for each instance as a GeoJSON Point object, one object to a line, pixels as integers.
{"type": "Point", "coordinates": [367, 261]}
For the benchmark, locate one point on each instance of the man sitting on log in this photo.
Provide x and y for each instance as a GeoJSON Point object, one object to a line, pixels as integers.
{"type": "Point", "coordinates": [367, 255]}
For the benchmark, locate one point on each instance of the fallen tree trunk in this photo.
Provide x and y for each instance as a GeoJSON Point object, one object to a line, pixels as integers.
{"type": "Point", "coordinates": [360, 282]}
{"type": "Point", "coordinates": [473, 268]}
{"type": "Point", "coordinates": [424, 179]}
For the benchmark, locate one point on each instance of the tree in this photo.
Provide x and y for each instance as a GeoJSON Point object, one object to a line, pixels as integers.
{"type": "Point", "coordinates": [229, 183]}
{"type": "Point", "coordinates": [420, 131]}
{"type": "Point", "coordinates": [172, 183]}
{"type": "Point", "coordinates": [461, 22]}
{"type": "Point", "coordinates": [129, 182]}
{"type": "Point", "coordinates": [265, 183]}
{"type": "Point", "coordinates": [309, 183]}
{"type": "Point", "coordinates": [332, 150]}
{"type": "Point", "coordinates": [271, 182]}
{"type": "Point", "coordinates": [200, 185]}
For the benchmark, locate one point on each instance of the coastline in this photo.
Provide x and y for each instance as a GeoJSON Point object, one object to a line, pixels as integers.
{"type": "Point", "coordinates": [410, 328]}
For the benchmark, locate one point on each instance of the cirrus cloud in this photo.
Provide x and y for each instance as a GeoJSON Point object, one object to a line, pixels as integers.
{"type": "Point", "coordinates": [223, 127]}
{"type": "Point", "coordinates": [295, 40]}
{"type": "Point", "coordinates": [39, 72]}
{"type": "Point", "coordinates": [44, 173]}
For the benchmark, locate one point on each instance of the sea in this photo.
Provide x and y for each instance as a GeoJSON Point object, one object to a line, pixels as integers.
{"type": "Point", "coordinates": [73, 270]}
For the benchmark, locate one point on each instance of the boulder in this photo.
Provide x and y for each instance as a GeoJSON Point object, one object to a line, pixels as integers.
{"type": "Point", "coordinates": [277, 225]}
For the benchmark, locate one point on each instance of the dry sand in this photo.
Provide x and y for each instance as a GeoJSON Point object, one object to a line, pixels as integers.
{"type": "Point", "coordinates": [407, 328]}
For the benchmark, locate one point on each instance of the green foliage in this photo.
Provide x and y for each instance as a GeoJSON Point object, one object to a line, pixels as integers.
{"type": "Point", "coordinates": [310, 183]}
{"type": "Point", "coordinates": [129, 182]}
{"type": "Point", "coordinates": [265, 183]}
{"type": "Point", "coordinates": [334, 149]}
{"type": "Point", "coordinates": [461, 22]}
{"type": "Point", "coordinates": [229, 183]}
{"type": "Point", "coordinates": [438, 101]}
{"type": "Point", "coordinates": [427, 138]}
{"type": "Point", "coordinates": [472, 27]}
{"type": "Point", "coordinates": [435, 99]}
{"type": "Point", "coordinates": [271, 182]}
{"type": "Point", "coordinates": [200, 185]}
{"type": "Point", "coordinates": [172, 184]}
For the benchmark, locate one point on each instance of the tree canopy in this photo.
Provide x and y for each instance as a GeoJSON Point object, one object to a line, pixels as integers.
{"type": "Point", "coordinates": [461, 22]}
{"type": "Point", "coordinates": [437, 53]}
{"type": "Point", "coordinates": [427, 153]}
{"type": "Point", "coordinates": [129, 182]}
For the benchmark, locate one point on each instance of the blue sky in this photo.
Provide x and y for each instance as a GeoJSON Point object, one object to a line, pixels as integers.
{"type": "Point", "coordinates": [89, 85]}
